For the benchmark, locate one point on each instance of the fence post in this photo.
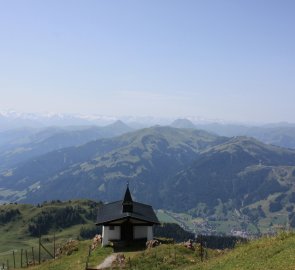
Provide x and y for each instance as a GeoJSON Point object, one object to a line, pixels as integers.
{"type": "Point", "coordinates": [27, 258]}
{"type": "Point", "coordinates": [129, 263]}
{"type": "Point", "coordinates": [174, 254]}
{"type": "Point", "coordinates": [48, 252]}
{"type": "Point", "coordinates": [13, 259]}
{"type": "Point", "coordinates": [21, 258]}
{"type": "Point", "coordinates": [33, 255]}
{"type": "Point", "coordinates": [201, 248]}
{"type": "Point", "coordinates": [39, 250]}
{"type": "Point", "coordinates": [54, 245]}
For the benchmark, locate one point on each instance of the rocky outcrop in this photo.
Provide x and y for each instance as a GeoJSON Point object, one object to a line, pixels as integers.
{"type": "Point", "coordinates": [152, 243]}
{"type": "Point", "coordinates": [189, 244]}
{"type": "Point", "coordinates": [96, 241]}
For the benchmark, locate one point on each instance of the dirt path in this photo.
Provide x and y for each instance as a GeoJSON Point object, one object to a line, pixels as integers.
{"type": "Point", "coordinates": [107, 263]}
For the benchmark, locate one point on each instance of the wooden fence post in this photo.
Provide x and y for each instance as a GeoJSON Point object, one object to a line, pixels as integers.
{"type": "Point", "coordinates": [21, 258]}
{"type": "Point", "coordinates": [54, 245]}
{"type": "Point", "coordinates": [39, 255]}
{"type": "Point", "coordinates": [13, 259]}
{"type": "Point", "coordinates": [129, 263]}
{"type": "Point", "coordinates": [201, 248]}
{"type": "Point", "coordinates": [33, 255]}
{"type": "Point", "coordinates": [174, 254]}
{"type": "Point", "coordinates": [27, 261]}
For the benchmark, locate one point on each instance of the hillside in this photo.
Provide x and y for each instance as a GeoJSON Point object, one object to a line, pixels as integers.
{"type": "Point", "coordinates": [242, 169]}
{"type": "Point", "coordinates": [20, 223]}
{"type": "Point", "coordinates": [263, 254]}
{"type": "Point", "coordinates": [224, 183]}
{"type": "Point", "coordinates": [266, 253]}
{"type": "Point", "coordinates": [100, 169]}
{"type": "Point", "coordinates": [60, 224]}
{"type": "Point", "coordinates": [241, 185]}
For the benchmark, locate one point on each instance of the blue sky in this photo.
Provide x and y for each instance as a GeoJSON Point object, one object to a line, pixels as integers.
{"type": "Point", "coordinates": [231, 59]}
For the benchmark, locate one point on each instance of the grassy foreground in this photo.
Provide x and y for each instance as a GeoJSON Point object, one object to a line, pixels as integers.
{"type": "Point", "coordinates": [265, 253]}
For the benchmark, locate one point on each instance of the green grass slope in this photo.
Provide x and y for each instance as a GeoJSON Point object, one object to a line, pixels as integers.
{"type": "Point", "coordinates": [65, 219]}
{"type": "Point", "coordinates": [58, 222]}
{"type": "Point", "coordinates": [266, 253]}
{"type": "Point", "coordinates": [77, 260]}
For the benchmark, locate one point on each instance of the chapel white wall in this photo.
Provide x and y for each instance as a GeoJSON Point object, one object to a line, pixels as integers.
{"type": "Point", "coordinates": [150, 235]}
{"type": "Point", "coordinates": [108, 234]}
{"type": "Point", "coordinates": [140, 232]}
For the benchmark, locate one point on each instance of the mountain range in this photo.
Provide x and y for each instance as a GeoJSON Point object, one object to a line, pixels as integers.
{"type": "Point", "coordinates": [178, 169]}
{"type": "Point", "coordinates": [281, 134]}
{"type": "Point", "coordinates": [144, 157]}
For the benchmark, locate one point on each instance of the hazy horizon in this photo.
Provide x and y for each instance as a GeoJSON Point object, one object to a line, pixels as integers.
{"type": "Point", "coordinates": [102, 120]}
{"type": "Point", "coordinates": [227, 60]}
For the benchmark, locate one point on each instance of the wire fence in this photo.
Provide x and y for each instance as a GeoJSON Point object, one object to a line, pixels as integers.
{"type": "Point", "coordinates": [30, 256]}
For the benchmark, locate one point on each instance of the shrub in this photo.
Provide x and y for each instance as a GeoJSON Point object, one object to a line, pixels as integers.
{"type": "Point", "coordinates": [220, 242]}
{"type": "Point", "coordinates": [55, 218]}
{"type": "Point", "coordinates": [172, 231]}
{"type": "Point", "coordinates": [88, 232]}
{"type": "Point", "coordinates": [8, 215]}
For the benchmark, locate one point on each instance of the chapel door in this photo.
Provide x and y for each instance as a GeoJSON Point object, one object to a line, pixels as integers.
{"type": "Point", "coordinates": [127, 231]}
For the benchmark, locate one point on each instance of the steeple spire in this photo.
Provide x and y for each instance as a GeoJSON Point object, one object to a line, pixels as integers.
{"type": "Point", "coordinates": [127, 201]}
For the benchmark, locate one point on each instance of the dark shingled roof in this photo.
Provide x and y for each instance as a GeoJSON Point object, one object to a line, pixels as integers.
{"type": "Point", "coordinates": [113, 211]}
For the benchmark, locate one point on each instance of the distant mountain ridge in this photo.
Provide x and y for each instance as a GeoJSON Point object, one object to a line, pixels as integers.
{"type": "Point", "coordinates": [182, 123]}
{"type": "Point", "coordinates": [271, 134]}
{"type": "Point", "coordinates": [280, 134]}
{"type": "Point", "coordinates": [22, 144]}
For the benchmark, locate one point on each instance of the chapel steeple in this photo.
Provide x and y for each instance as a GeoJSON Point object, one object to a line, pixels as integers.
{"type": "Point", "coordinates": [127, 201]}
